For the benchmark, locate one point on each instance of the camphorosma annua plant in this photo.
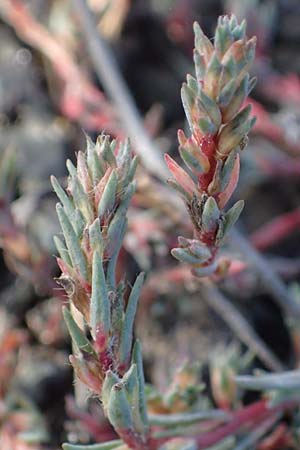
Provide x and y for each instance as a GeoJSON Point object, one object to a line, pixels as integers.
{"type": "Point", "coordinates": [219, 123]}
{"type": "Point", "coordinates": [92, 214]}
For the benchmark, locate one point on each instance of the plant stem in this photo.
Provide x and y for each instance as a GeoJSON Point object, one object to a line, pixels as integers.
{"type": "Point", "coordinates": [256, 413]}
{"type": "Point", "coordinates": [252, 438]}
{"type": "Point", "coordinates": [236, 322]}
{"type": "Point", "coordinates": [109, 75]}
{"type": "Point", "coordinates": [248, 415]}
{"type": "Point", "coordinates": [275, 230]}
{"type": "Point", "coordinates": [188, 418]}
{"type": "Point", "coordinates": [272, 282]}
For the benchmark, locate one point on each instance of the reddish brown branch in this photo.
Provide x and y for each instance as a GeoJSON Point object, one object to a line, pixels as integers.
{"type": "Point", "coordinates": [275, 230]}
{"type": "Point", "coordinates": [248, 416]}
{"type": "Point", "coordinates": [279, 167]}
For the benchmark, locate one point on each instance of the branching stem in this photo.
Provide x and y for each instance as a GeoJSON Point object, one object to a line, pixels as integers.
{"type": "Point", "coordinates": [109, 74]}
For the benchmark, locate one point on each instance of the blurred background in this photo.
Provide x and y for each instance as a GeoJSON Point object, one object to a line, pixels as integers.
{"type": "Point", "coordinates": [49, 94]}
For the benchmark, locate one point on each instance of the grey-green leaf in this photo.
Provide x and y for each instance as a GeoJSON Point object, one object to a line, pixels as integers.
{"type": "Point", "coordinates": [61, 194]}
{"type": "Point", "coordinates": [108, 198]}
{"type": "Point", "coordinates": [78, 337]}
{"type": "Point", "coordinates": [289, 380]}
{"type": "Point", "coordinates": [210, 215]}
{"type": "Point", "coordinates": [127, 328]}
{"type": "Point", "coordinates": [110, 380]}
{"type": "Point", "coordinates": [76, 255]}
{"type": "Point", "coordinates": [119, 411]}
{"type": "Point", "coordinates": [100, 305]}
{"type": "Point", "coordinates": [232, 216]}
{"type": "Point", "coordinates": [95, 237]}
{"type": "Point", "coordinates": [138, 360]}
{"type": "Point", "coordinates": [62, 251]}
{"type": "Point", "coordinates": [103, 446]}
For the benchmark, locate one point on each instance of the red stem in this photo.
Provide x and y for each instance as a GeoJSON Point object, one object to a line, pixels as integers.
{"type": "Point", "coordinates": [135, 441]}
{"type": "Point", "coordinates": [251, 413]}
{"type": "Point", "coordinates": [278, 167]}
{"type": "Point", "coordinates": [276, 230]}
{"type": "Point", "coordinates": [278, 439]}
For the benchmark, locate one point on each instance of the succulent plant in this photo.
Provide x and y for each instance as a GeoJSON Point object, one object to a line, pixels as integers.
{"type": "Point", "coordinates": [219, 123]}
{"type": "Point", "coordinates": [92, 214]}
